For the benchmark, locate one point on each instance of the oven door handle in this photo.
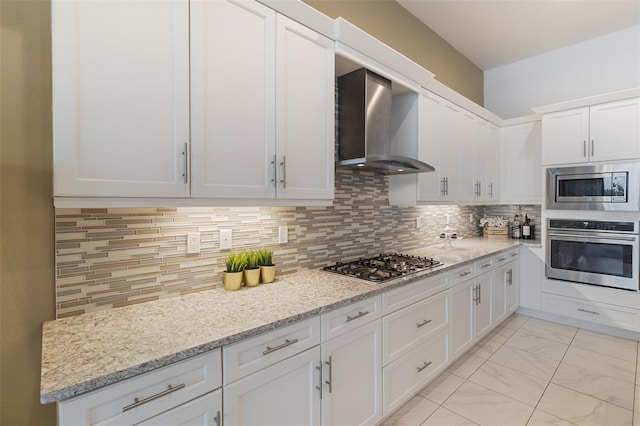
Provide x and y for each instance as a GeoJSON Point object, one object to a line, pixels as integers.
{"type": "Point", "coordinates": [593, 236]}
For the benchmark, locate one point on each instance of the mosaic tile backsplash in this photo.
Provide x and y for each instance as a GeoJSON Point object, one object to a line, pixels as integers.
{"type": "Point", "coordinates": [107, 258]}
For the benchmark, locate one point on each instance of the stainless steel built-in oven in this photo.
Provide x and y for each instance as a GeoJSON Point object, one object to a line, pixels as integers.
{"type": "Point", "coordinates": [610, 187]}
{"type": "Point", "coordinates": [595, 252]}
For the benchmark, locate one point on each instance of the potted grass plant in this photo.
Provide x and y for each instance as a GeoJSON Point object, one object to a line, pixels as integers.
{"type": "Point", "coordinates": [267, 268]}
{"type": "Point", "coordinates": [232, 277]}
{"type": "Point", "coordinates": [252, 270]}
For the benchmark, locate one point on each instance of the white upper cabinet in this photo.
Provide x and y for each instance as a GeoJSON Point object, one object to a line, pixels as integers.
{"type": "Point", "coordinates": [233, 96]}
{"type": "Point", "coordinates": [522, 170]}
{"type": "Point", "coordinates": [449, 141]}
{"type": "Point", "coordinates": [603, 132]}
{"type": "Point", "coordinates": [305, 128]}
{"type": "Point", "coordinates": [120, 98]}
{"type": "Point", "coordinates": [429, 184]}
{"type": "Point", "coordinates": [263, 104]}
{"type": "Point", "coordinates": [468, 183]}
{"type": "Point", "coordinates": [494, 163]}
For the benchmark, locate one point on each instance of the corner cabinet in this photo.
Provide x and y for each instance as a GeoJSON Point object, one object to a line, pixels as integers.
{"type": "Point", "coordinates": [522, 168]}
{"type": "Point", "coordinates": [204, 99]}
{"type": "Point", "coordinates": [120, 98]}
{"type": "Point", "coordinates": [603, 132]}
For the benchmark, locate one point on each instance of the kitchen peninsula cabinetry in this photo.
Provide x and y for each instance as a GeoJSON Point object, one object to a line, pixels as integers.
{"type": "Point", "coordinates": [263, 100]}
{"type": "Point", "coordinates": [603, 132]}
{"type": "Point", "coordinates": [164, 394]}
{"type": "Point", "coordinates": [120, 98]}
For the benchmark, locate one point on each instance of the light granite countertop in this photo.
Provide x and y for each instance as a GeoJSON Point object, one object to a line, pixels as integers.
{"type": "Point", "coordinates": [87, 352]}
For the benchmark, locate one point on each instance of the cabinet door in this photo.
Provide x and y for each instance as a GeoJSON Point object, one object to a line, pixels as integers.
{"type": "Point", "coordinates": [120, 98]}
{"type": "Point", "coordinates": [498, 294]}
{"type": "Point", "coordinates": [564, 136]}
{"type": "Point", "coordinates": [280, 395]}
{"type": "Point", "coordinates": [462, 306]}
{"type": "Point", "coordinates": [203, 411]}
{"type": "Point", "coordinates": [513, 286]}
{"type": "Point", "coordinates": [480, 160]}
{"type": "Point", "coordinates": [494, 161]}
{"type": "Point", "coordinates": [233, 99]}
{"type": "Point", "coordinates": [449, 141]}
{"type": "Point", "coordinates": [352, 385]}
{"type": "Point", "coordinates": [615, 130]}
{"type": "Point", "coordinates": [523, 171]}
{"type": "Point", "coordinates": [467, 156]}
{"type": "Point", "coordinates": [482, 308]}
{"type": "Point", "coordinates": [430, 185]}
{"type": "Point", "coordinates": [305, 112]}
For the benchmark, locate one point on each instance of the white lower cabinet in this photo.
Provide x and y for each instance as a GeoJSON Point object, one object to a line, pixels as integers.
{"type": "Point", "coordinates": [462, 307]}
{"type": "Point", "coordinates": [203, 411]}
{"type": "Point", "coordinates": [499, 294]}
{"type": "Point", "coordinates": [285, 393]}
{"type": "Point", "coordinates": [513, 287]}
{"type": "Point", "coordinates": [351, 377]}
{"type": "Point", "coordinates": [135, 400]}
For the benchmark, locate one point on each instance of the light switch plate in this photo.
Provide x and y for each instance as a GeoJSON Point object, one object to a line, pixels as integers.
{"type": "Point", "coordinates": [226, 239]}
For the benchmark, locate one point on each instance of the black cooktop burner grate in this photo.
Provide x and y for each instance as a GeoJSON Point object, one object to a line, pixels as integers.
{"type": "Point", "coordinates": [383, 267]}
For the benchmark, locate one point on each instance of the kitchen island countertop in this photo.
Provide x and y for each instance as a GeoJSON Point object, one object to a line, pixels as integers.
{"type": "Point", "coordinates": [86, 352]}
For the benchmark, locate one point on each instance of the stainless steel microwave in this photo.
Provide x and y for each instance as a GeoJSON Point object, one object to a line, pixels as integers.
{"type": "Point", "coordinates": [610, 187]}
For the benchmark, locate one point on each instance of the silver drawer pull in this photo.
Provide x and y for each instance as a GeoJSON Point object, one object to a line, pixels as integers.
{"type": "Point", "coordinates": [486, 265]}
{"type": "Point", "coordinates": [423, 323]}
{"type": "Point", "coordinates": [216, 419]}
{"type": "Point", "coordinates": [588, 312]}
{"type": "Point", "coordinates": [360, 314]}
{"type": "Point", "coordinates": [464, 274]}
{"type": "Point", "coordinates": [502, 259]}
{"type": "Point", "coordinates": [138, 402]}
{"type": "Point", "coordinates": [283, 345]}
{"type": "Point", "coordinates": [425, 365]}
{"type": "Point", "coordinates": [514, 254]}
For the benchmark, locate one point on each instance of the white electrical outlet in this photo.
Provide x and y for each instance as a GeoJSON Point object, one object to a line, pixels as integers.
{"type": "Point", "coordinates": [418, 222]}
{"type": "Point", "coordinates": [193, 242]}
{"type": "Point", "coordinates": [226, 239]}
{"type": "Point", "coordinates": [470, 217]}
{"type": "Point", "coordinates": [283, 234]}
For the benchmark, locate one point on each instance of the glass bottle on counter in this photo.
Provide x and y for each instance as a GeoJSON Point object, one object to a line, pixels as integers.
{"type": "Point", "coordinates": [515, 227]}
{"type": "Point", "coordinates": [526, 228]}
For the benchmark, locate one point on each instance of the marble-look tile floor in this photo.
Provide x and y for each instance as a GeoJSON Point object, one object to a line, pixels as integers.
{"type": "Point", "coordinates": [533, 372]}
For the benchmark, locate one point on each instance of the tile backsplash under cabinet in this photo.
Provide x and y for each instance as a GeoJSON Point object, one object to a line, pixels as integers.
{"type": "Point", "coordinates": [108, 258]}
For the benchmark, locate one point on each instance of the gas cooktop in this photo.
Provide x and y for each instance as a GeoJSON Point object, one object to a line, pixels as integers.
{"type": "Point", "coordinates": [384, 267]}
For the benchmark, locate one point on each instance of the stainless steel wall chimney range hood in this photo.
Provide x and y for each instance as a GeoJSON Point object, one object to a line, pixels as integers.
{"type": "Point", "coordinates": [364, 115]}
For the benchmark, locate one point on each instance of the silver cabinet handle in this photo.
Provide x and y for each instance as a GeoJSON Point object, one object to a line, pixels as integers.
{"type": "Point", "coordinates": [475, 294]}
{"type": "Point", "coordinates": [584, 148]}
{"type": "Point", "coordinates": [446, 186]}
{"type": "Point", "coordinates": [330, 381]}
{"type": "Point", "coordinates": [502, 259]}
{"type": "Point", "coordinates": [216, 419]}
{"type": "Point", "coordinates": [185, 151]}
{"type": "Point", "coordinates": [425, 365]}
{"type": "Point", "coordinates": [286, 343]}
{"type": "Point", "coordinates": [593, 147]}
{"type": "Point", "coordinates": [442, 190]}
{"type": "Point", "coordinates": [491, 189]}
{"type": "Point", "coordinates": [138, 402]}
{"type": "Point", "coordinates": [514, 254]}
{"type": "Point", "coordinates": [423, 323]}
{"type": "Point", "coordinates": [464, 274]}
{"type": "Point", "coordinates": [275, 171]}
{"type": "Point", "coordinates": [319, 368]}
{"type": "Point", "coordinates": [283, 181]}
{"type": "Point", "coordinates": [360, 314]}
{"type": "Point", "coordinates": [479, 294]}
{"type": "Point", "coordinates": [510, 273]}
{"type": "Point", "coordinates": [588, 312]}
{"type": "Point", "coordinates": [486, 265]}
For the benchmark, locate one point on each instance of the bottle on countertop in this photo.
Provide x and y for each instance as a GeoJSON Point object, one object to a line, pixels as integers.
{"type": "Point", "coordinates": [526, 228]}
{"type": "Point", "coordinates": [515, 227]}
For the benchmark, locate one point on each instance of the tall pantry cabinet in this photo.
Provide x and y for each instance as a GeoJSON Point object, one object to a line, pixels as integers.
{"type": "Point", "coordinates": [201, 99]}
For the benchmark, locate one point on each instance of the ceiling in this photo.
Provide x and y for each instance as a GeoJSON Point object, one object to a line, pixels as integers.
{"type": "Point", "coordinates": [495, 33]}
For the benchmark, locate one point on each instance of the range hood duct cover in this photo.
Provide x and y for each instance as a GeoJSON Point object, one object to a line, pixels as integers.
{"type": "Point", "coordinates": [364, 115]}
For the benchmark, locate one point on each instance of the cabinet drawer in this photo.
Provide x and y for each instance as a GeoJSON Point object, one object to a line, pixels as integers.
{"type": "Point", "coordinates": [407, 327]}
{"type": "Point", "coordinates": [615, 316]}
{"type": "Point", "coordinates": [350, 317]}
{"type": "Point", "coordinates": [484, 265]}
{"type": "Point", "coordinates": [462, 274]}
{"type": "Point", "coordinates": [114, 405]}
{"type": "Point", "coordinates": [506, 256]}
{"type": "Point", "coordinates": [407, 375]}
{"type": "Point", "coordinates": [205, 411]}
{"type": "Point", "coordinates": [411, 293]}
{"type": "Point", "coordinates": [249, 356]}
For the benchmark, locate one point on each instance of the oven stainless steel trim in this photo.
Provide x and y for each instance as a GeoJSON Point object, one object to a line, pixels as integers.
{"type": "Point", "coordinates": [628, 171]}
{"type": "Point", "coordinates": [599, 236]}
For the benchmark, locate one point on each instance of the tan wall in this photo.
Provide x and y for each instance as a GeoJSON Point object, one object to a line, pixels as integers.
{"type": "Point", "coordinates": [26, 212]}
{"type": "Point", "coordinates": [393, 25]}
